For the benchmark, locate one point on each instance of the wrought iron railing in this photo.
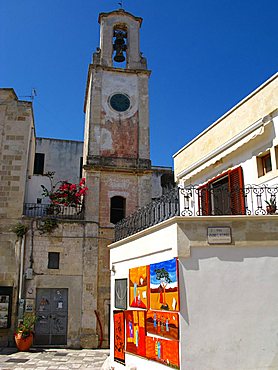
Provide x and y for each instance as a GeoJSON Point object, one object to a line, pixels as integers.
{"type": "Point", "coordinates": [195, 201]}
{"type": "Point", "coordinates": [35, 210]}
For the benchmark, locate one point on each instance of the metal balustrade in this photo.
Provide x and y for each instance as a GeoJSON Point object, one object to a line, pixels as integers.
{"type": "Point", "coordinates": [58, 211]}
{"type": "Point", "coordinates": [192, 201]}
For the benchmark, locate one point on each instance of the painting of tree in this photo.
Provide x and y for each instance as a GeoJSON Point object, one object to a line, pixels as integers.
{"type": "Point", "coordinates": [164, 294]}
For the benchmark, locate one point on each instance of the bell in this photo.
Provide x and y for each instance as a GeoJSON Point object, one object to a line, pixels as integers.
{"type": "Point", "coordinates": [119, 57]}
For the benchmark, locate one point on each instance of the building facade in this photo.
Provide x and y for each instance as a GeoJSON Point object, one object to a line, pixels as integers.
{"type": "Point", "coordinates": [221, 229]}
{"type": "Point", "coordinates": [59, 269]}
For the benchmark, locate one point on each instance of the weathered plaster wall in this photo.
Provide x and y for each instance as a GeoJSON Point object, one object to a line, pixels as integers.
{"type": "Point", "coordinates": [61, 157]}
{"type": "Point", "coordinates": [77, 243]}
{"type": "Point", "coordinates": [259, 104]}
{"type": "Point", "coordinates": [229, 310]}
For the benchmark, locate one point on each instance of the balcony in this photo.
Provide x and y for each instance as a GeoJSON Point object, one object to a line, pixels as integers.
{"type": "Point", "coordinates": [199, 201]}
{"type": "Point", "coordinates": [57, 211]}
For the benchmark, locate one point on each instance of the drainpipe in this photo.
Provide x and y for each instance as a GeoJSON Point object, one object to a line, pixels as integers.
{"type": "Point", "coordinates": [22, 247]}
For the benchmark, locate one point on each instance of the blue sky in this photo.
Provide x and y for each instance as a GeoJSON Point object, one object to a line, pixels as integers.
{"type": "Point", "coordinates": [205, 56]}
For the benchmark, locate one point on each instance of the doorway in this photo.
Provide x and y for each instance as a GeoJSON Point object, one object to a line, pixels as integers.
{"type": "Point", "coordinates": [52, 317]}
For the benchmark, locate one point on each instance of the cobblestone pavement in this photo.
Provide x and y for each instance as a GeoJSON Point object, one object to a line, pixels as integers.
{"type": "Point", "coordinates": [44, 359]}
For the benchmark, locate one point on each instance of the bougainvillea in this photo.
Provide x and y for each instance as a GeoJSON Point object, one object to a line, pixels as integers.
{"type": "Point", "coordinates": [66, 193]}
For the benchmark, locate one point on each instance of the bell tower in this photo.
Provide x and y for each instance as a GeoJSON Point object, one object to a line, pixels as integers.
{"type": "Point", "coordinates": [116, 158]}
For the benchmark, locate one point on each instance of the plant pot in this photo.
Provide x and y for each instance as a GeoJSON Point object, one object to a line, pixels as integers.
{"type": "Point", "coordinates": [23, 344]}
{"type": "Point", "coordinates": [270, 210]}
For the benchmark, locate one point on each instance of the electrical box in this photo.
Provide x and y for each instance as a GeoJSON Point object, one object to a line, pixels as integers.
{"type": "Point", "coordinates": [29, 274]}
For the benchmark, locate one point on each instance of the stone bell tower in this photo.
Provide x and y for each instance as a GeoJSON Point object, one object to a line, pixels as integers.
{"type": "Point", "coordinates": [116, 154]}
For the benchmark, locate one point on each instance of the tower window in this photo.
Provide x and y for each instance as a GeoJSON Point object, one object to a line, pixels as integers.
{"type": "Point", "coordinates": [53, 260]}
{"type": "Point", "coordinates": [117, 209]}
{"type": "Point", "coordinates": [119, 43]}
{"type": "Point", "coordinates": [39, 164]}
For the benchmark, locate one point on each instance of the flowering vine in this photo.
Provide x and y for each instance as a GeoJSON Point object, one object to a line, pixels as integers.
{"type": "Point", "coordinates": [64, 192]}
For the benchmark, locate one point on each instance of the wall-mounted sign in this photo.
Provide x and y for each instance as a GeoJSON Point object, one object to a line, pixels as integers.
{"type": "Point", "coordinates": [219, 235]}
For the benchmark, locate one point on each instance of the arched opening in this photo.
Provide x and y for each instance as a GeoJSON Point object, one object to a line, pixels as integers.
{"type": "Point", "coordinates": [117, 209]}
{"type": "Point", "coordinates": [119, 45]}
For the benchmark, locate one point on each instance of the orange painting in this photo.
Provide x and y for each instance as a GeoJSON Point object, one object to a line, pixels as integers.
{"type": "Point", "coordinates": [135, 332]}
{"type": "Point", "coordinates": [164, 324]}
{"type": "Point", "coordinates": [163, 351]}
{"type": "Point", "coordinates": [138, 287]}
{"type": "Point", "coordinates": [119, 337]}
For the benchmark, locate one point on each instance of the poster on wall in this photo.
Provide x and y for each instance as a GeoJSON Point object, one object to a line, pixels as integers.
{"type": "Point", "coordinates": [135, 332]}
{"type": "Point", "coordinates": [121, 294]}
{"type": "Point", "coordinates": [163, 323]}
{"type": "Point", "coordinates": [119, 336]}
{"type": "Point", "coordinates": [164, 290]}
{"type": "Point", "coordinates": [138, 287]}
{"type": "Point", "coordinates": [4, 311]}
{"type": "Point", "coordinates": [163, 351]}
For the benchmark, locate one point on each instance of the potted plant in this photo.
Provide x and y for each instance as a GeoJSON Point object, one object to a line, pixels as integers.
{"type": "Point", "coordinates": [271, 206]}
{"type": "Point", "coordinates": [24, 332]}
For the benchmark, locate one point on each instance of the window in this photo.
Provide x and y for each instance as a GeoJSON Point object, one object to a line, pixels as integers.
{"type": "Point", "coordinates": [80, 167]}
{"type": "Point", "coordinates": [264, 164]}
{"type": "Point", "coordinates": [53, 260]}
{"type": "Point", "coordinates": [117, 209]}
{"type": "Point", "coordinates": [223, 195]}
{"type": "Point", "coordinates": [39, 164]}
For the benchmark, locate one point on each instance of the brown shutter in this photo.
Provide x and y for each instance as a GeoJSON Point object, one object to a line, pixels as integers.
{"type": "Point", "coordinates": [236, 187]}
{"type": "Point", "coordinates": [204, 202]}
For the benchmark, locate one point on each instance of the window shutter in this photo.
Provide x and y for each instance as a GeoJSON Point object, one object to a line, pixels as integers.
{"type": "Point", "coordinates": [204, 200]}
{"type": "Point", "coordinates": [236, 187]}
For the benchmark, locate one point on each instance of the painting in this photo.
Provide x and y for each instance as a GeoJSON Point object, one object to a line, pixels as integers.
{"type": "Point", "coordinates": [164, 324]}
{"type": "Point", "coordinates": [136, 332]}
{"type": "Point", "coordinates": [121, 294]}
{"type": "Point", "coordinates": [163, 351]}
{"type": "Point", "coordinates": [119, 336]}
{"type": "Point", "coordinates": [138, 287]}
{"type": "Point", "coordinates": [164, 292]}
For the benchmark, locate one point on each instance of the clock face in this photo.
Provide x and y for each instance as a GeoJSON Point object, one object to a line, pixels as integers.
{"type": "Point", "coordinates": [120, 102]}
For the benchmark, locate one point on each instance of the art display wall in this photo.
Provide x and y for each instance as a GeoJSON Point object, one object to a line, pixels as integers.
{"type": "Point", "coordinates": [149, 328]}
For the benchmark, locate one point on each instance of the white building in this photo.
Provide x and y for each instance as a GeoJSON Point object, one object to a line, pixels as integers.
{"type": "Point", "coordinates": [224, 235]}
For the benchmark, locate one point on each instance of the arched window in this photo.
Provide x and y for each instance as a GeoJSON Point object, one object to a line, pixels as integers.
{"type": "Point", "coordinates": [117, 209]}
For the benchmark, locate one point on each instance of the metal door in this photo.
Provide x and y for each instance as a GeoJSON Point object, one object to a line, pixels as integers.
{"type": "Point", "coordinates": [52, 316]}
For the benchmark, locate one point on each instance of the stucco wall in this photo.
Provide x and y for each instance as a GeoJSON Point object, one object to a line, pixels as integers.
{"type": "Point", "coordinates": [229, 300]}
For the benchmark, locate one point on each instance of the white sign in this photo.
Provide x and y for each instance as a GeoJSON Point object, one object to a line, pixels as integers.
{"type": "Point", "coordinates": [219, 235]}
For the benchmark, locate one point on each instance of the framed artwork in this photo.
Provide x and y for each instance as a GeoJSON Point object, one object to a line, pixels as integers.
{"type": "Point", "coordinates": [119, 336]}
{"type": "Point", "coordinates": [121, 294]}
{"type": "Point", "coordinates": [163, 351]}
{"type": "Point", "coordinates": [164, 324]}
{"type": "Point", "coordinates": [138, 287]}
{"type": "Point", "coordinates": [136, 332]}
{"type": "Point", "coordinates": [164, 290]}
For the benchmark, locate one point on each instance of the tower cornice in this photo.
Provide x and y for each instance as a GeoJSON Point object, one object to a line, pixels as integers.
{"type": "Point", "coordinates": [120, 12]}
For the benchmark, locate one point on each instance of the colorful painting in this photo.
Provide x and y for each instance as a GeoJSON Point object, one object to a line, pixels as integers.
{"type": "Point", "coordinates": [164, 351]}
{"type": "Point", "coordinates": [135, 332]}
{"type": "Point", "coordinates": [164, 324]}
{"type": "Point", "coordinates": [121, 294]}
{"type": "Point", "coordinates": [164, 292]}
{"type": "Point", "coordinates": [138, 287]}
{"type": "Point", "coordinates": [119, 336]}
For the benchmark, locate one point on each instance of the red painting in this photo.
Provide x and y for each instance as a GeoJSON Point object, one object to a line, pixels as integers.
{"type": "Point", "coordinates": [135, 332]}
{"type": "Point", "coordinates": [138, 287]}
{"type": "Point", "coordinates": [163, 351]}
{"type": "Point", "coordinates": [119, 337]}
{"type": "Point", "coordinates": [164, 324]}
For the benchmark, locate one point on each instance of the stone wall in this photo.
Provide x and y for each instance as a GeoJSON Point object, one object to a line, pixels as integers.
{"type": "Point", "coordinates": [16, 158]}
